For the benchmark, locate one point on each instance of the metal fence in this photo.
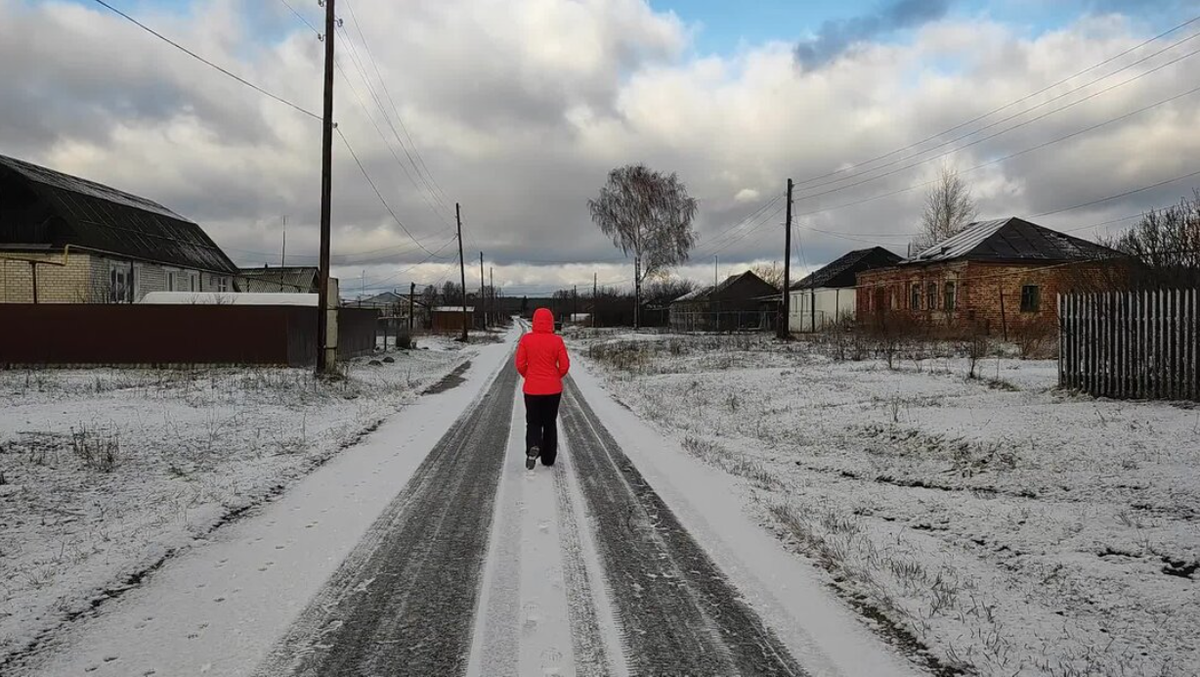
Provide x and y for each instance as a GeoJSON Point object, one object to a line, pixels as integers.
{"type": "Point", "coordinates": [1132, 345]}
{"type": "Point", "coordinates": [734, 320]}
{"type": "Point", "coordinates": [172, 335]}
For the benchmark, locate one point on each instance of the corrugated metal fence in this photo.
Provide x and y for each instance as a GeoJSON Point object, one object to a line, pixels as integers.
{"type": "Point", "coordinates": [171, 335]}
{"type": "Point", "coordinates": [1132, 345]}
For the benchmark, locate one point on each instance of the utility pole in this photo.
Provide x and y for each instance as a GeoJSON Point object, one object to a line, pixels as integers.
{"type": "Point", "coordinates": [574, 303]}
{"type": "Point", "coordinates": [784, 329]}
{"type": "Point", "coordinates": [712, 297]}
{"type": "Point", "coordinates": [326, 193]}
{"type": "Point", "coordinates": [362, 294]}
{"type": "Point", "coordinates": [595, 298]}
{"type": "Point", "coordinates": [412, 305]}
{"type": "Point", "coordinates": [492, 295]}
{"type": "Point", "coordinates": [482, 306]}
{"type": "Point", "coordinates": [283, 254]}
{"type": "Point", "coordinates": [462, 270]}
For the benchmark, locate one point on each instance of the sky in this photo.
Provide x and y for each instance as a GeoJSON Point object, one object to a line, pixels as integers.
{"type": "Point", "coordinates": [1076, 114]}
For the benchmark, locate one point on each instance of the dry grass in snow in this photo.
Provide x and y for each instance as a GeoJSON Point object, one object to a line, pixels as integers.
{"type": "Point", "coordinates": [105, 472]}
{"type": "Point", "coordinates": [1000, 525]}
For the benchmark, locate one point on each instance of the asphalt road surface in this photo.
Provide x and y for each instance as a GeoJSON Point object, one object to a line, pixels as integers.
{"type": "Point", "coordinates": [481, 567]}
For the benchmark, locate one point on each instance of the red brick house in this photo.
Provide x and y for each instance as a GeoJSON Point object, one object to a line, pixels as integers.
{"type": "Point", "coordinates": [1001, 277]}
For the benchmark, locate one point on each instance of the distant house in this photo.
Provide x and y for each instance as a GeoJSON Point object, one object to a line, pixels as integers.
{"type": "Point", "coordinates": [996, 276]}
{"type": "Point", "coordinates": [740, 303]}
{"type": "Point", "coordinates": [827, 296]}
{"type": "Point", "coordinates": [69, 240]}
{"type": "Point", "coordinates": [285, 279]}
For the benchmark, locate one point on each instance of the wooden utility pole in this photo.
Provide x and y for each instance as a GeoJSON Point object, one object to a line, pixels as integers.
{"type": "Point", "coordinates": [595, 298]}
{"type": "Point", "coordinates": [492, 295]}
{"type": "Point", "coordinates": [326, 194]}
{"type": "Point", "coordinates": [462, 270]}
{"type": "Point", "coordinates": [412, 305]}
{"type": "Point", "coordinates": [784, 329]}
{"type": "Point", "coordinates": [482, 309]}
{"type": "Point", "coordinates": [283, 254]}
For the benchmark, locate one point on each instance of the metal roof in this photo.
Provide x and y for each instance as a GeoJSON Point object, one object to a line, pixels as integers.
{"type": "Point", "coordinates": [841, 272]}
{"type": "Point", "coordinates": [291, 278]}
{"type": "Point", "coordinates": [725, 284]}
{"type": "Point", "coordinates": [93, 216]}
{"type": "Point", "coordinates": [1011, 239]}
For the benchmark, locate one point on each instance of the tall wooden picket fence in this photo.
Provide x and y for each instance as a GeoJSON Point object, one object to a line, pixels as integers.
{"type": "Point", "coordinates": [1133, 345]}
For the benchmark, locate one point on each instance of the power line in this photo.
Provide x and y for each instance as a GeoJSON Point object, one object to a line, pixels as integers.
{"type": "Point", "coordinates": [375, 188]}
{"type": "Point", "coordinates": [379, 130]}
{"type": "Point", "coordinates": [979, 166]}
{"type": "Point", "coordinates": [205, 61]}
{"type": "Point", "coordinates": [991, 136]}
{"type": "Point", "coordinates": [429, 178]}
{"type": "Point", "coordinates": [301, 17]}
{"type": "Point", "coordinates": [1008, 105]}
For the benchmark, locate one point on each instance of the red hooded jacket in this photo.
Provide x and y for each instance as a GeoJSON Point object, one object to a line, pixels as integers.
{"type": "Point", "coordinates": [542, 356]}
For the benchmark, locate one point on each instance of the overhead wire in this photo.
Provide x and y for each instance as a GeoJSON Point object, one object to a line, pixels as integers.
{"type": "Point", "coordinates": [1003, 107]}
{"type": "Point", "coordinates": [396, 109]}
{"type": "Point", "coordinates": [206, 62]}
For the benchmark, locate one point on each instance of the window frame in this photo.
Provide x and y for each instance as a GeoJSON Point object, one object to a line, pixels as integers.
{"type": "Point", "coordinates": [931, 296]}
{"type": "Point", "coordinates": [1033, 302]}
{"type": "Point", "coordinates": [914, 296]}
{"type": "Point", "coordinates": [950, 296]}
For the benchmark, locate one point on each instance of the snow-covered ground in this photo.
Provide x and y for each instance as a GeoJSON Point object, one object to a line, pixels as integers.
{"type": "Point", "coordinates": [1005, 526]}
{"type": "Point", "coordinates": [105, 473]}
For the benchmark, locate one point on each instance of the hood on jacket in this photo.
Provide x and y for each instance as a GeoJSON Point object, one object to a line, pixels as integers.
{"type": "Point", "coordinates": [543, 321]}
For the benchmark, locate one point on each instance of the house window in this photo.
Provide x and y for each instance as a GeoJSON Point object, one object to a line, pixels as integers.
{"type": "Point", "coordinates": [120, 283]}
{"type": "Point", "coordinates": [193, 282]}
{"type": "Point", "coordinates": [173, 281]}
{"type": "Point", "coordinates": [931, 299]}
{"type": "Point", "coordinates": [951, 301]}
{"type": "Point", "coordinates": [914, 298]}
{"type": "Point", "coordinates": [1031, 298]}
{"type": "Point", "coordinates": [222, 284]}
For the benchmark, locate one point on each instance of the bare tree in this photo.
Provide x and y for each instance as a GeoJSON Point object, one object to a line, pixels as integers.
{"type": "Point", "coordinates": [1166, 244]}
{"type": "Point", "coordinates": [771, 273]}
{"type": "Point", "coordinates": [949, 208]}
{"type": "Point", "coordinates": [649, 215]}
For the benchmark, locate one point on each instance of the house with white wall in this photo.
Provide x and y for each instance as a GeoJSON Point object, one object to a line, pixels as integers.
{"type": "Point", "coordinates": [828, 295]}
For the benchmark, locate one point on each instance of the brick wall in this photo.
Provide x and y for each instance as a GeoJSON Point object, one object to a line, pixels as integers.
{"type": "Point", "coordinates": [60, 279]}
{"type": "Point", "coordinates": [82, 278]}
{"type": "Point", "coordinates": [987, 295]}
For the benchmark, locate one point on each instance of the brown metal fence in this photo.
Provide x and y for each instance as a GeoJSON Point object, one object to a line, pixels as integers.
{"type": "Point", "coordinates": [70, 334]}
{"type": "Point", "coordinates": [1131, 345]}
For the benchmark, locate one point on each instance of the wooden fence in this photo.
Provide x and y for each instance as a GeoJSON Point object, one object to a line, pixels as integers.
{"type": "Point", "coordinates": [1131, 345]}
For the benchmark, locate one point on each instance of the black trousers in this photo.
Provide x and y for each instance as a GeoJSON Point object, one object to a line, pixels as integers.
{"type": "Point", "coordinates": [541, 425]}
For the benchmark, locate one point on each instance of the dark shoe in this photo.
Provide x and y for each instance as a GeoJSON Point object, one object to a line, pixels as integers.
{"type": "Point", "coordinates": [531, 457]}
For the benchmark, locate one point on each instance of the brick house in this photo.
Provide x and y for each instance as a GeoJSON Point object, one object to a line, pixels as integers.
{"type": "Point", "coordinates": [1001, 277]}
{"type": "Point", "coordinates": [64, 239]}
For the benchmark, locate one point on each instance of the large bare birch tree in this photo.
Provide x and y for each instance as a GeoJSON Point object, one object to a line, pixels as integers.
{"type": "Point", "coordinates": [949, 208]}
{"type": "Point", "coordinates": [649, 216]}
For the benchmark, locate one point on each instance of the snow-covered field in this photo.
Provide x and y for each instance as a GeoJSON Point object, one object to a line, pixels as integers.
{"type": "Point", "coordinates": [1004, 526]}
{"type": "Point", "coordinates": [105, 473]}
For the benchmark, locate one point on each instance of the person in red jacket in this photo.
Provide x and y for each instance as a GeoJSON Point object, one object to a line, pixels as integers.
{"type": "Point", "coordinates": [542, 361]}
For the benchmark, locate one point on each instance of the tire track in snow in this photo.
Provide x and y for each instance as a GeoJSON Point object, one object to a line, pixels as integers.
{"type": "Point", "coordinates": [595, 634]}
{"type": "Point", "coordinates": [678, 612]}
{"type": "Point", "coordinates": [404, 602]}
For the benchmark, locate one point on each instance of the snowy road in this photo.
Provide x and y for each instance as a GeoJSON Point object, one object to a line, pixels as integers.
{"type": "Point", "coordinates": [472, 565]}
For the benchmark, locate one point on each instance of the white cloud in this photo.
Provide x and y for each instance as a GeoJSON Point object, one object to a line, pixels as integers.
{"type": "Point", "coordinates": [520, 108]}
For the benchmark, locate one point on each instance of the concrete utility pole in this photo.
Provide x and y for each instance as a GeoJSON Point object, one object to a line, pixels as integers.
{"type": "Point", "coordinates": [412, 305]}
{"type": "Point", "coordinates": [784, 329]}
{"type": "Point", "coordinates": [492, 295]}
{"type": "Point", "coordinates": [482, 309]}
{"type": "Point", "coordinates": [595, 297]}
{"type": "Point", "coordinates": [323, 364]}
{"type": "Point", "coordinates": [462, 270]}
